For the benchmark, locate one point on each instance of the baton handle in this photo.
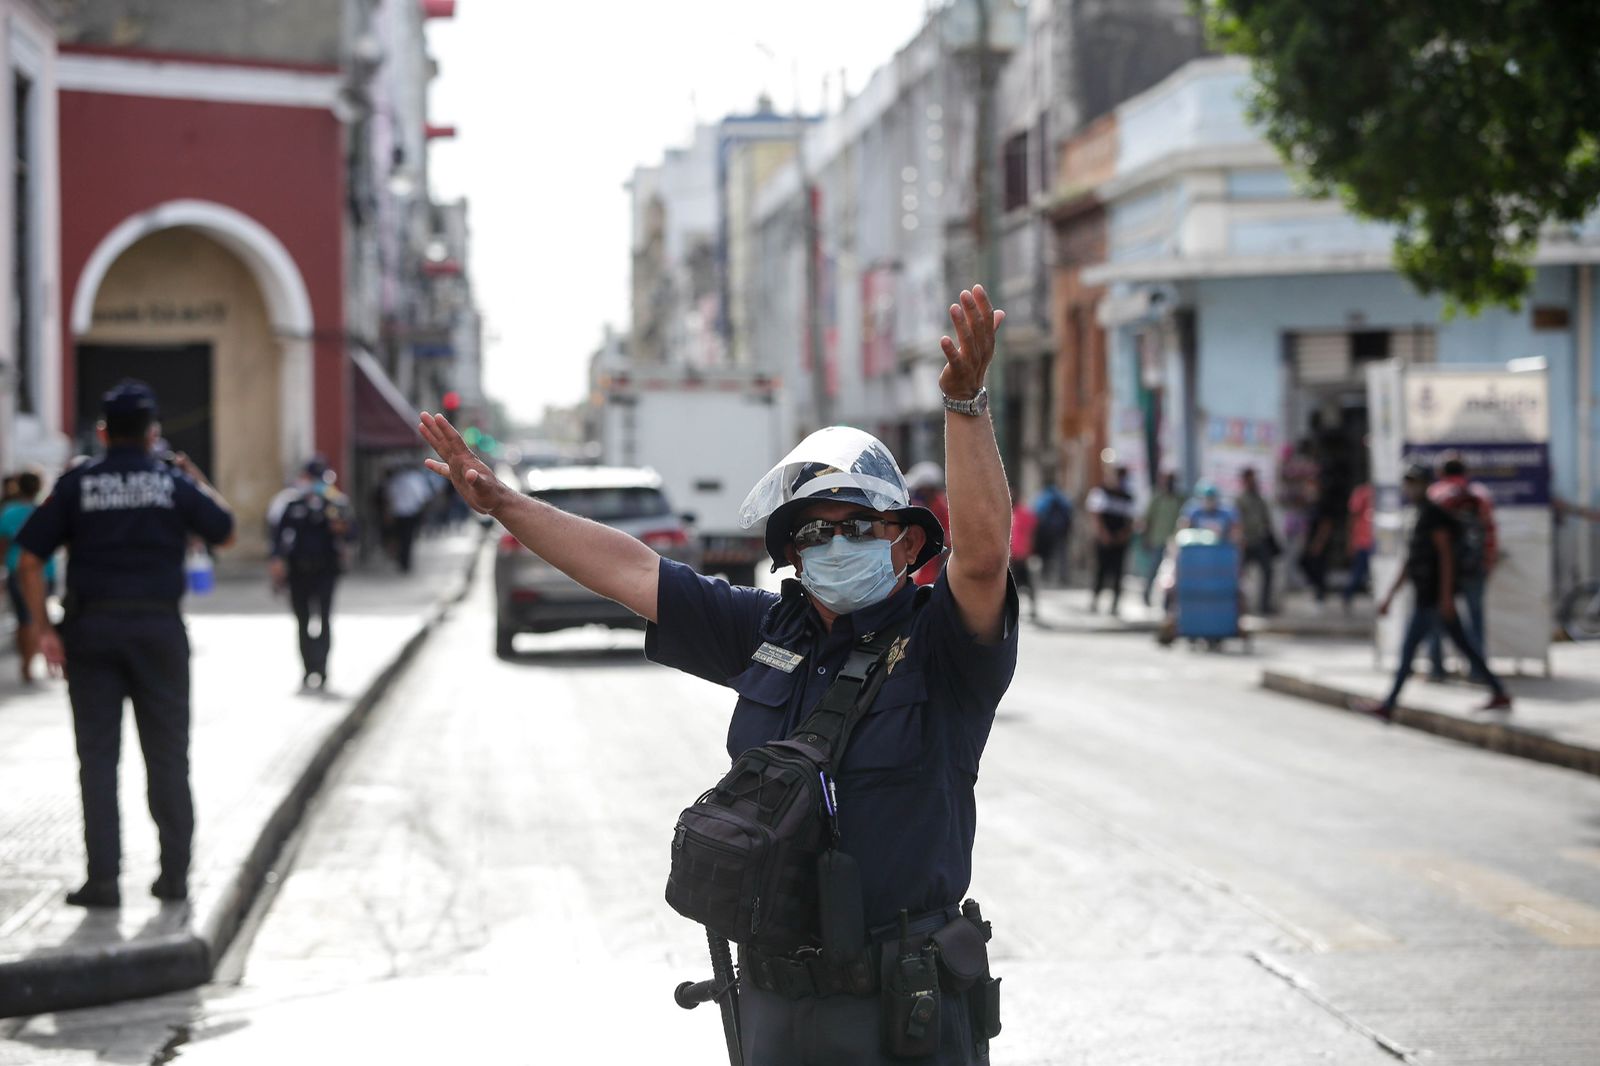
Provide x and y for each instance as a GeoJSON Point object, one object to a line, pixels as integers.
{"type": "Point", "coordinates": [691, 994]}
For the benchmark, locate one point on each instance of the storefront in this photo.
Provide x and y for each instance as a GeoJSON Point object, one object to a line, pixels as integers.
{"type": "Point", "coordinates": [202, 250]}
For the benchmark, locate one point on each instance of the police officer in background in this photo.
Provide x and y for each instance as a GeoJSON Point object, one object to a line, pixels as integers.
{"type": "Point", "coordinates": [310, 524]}
{"type": "Point", "coordinates": [126, 520]}
{"type": "Point", "coordinates": [838, 511]}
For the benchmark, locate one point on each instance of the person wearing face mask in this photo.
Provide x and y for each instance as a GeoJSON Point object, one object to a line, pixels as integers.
{"type": "Point", "coordinates": [310, 527]}
{"type": "Point", "coordinates": [837, 509]}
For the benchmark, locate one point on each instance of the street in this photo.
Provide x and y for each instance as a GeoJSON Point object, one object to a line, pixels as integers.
{"type": "Point", "coordinates": [1181, 868]}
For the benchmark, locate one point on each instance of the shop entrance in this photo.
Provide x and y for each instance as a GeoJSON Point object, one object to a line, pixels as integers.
{"type": "Point", "coordinates": [1326, 420]}
{"type": "Point", "coordinates": [180, 374]}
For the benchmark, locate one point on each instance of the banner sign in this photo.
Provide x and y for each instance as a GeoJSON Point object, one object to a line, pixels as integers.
{"type": "Point", "coordinates": [1497, 420]}
{"type": "Point", "coordinates": [1518, 475]}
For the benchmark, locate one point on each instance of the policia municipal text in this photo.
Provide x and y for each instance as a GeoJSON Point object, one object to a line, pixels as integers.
{"type": "Point", "coordinates": [837, 510]}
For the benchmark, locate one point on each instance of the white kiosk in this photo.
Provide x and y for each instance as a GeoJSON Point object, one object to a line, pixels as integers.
{"type": "Point", "coordinates": [1497, 418]}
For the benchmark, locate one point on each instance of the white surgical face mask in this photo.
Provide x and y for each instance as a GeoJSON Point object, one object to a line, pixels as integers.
{"type": "Point", "coordinates": [846, 577]}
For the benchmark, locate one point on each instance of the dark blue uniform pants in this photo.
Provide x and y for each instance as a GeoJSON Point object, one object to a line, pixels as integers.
{"type": "Point", "coordinates": [145, 658]}
{"type": "Point", "coordinates": [311, 596]}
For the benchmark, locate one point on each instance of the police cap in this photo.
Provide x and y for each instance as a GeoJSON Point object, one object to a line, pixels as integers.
{"type": "Point", "coordinates": [129, 397]}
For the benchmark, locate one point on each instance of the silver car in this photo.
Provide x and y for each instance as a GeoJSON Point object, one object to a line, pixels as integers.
{"type": "Point", "coordinates": [534, 597]}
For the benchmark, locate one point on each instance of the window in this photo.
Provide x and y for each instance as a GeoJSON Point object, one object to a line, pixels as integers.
{"type": "Point", "coordinates": [1042, 142]}
{"type": "Point", "coordinates": [22, 203]}
{"type": "Point", "coordinates": [1080, 361]}
{"type": "Point", "coordinates": [1368, 346]}
{"type": "Point", "coordinates": [1015, 169]}
{"type": "Point", "coordinates": [609, 504]}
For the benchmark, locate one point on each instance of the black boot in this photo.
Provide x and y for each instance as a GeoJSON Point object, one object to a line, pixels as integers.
{"type": "Point", "coordinates": [170, 888]}
{"type": "Point", "coordinates": [98, 892]}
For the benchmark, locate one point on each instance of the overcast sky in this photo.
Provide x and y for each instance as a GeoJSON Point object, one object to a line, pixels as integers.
{"type": "Point", "coordinates": [556, 104]}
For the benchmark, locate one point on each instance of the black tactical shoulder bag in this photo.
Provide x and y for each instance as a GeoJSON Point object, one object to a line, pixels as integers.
{"type": "Point", "coordinates": [756, 859]}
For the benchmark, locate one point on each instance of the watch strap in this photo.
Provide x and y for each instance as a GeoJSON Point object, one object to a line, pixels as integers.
{"type": "Point", "coordinates": [975, 406]}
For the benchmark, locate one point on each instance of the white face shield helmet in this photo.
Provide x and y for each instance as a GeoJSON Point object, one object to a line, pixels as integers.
{"type": "Point", "coordinates": [833, 465]}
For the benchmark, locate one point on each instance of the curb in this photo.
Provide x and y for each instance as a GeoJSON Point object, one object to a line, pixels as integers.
{"type": "Point", "coordinates": [1081, 629]}
{"type": "Point", "coordinates": [1502, 737]}
{"type": "Point", "coordinates": [1352, 631]}
{"type": "Point", "coordinates": [171, 963]}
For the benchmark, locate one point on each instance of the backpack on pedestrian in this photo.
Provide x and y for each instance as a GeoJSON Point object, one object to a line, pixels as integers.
{"type": "Point", "coordinates": [1055, 517]}
{"type": "Point", "coordinates": [1471, 536]}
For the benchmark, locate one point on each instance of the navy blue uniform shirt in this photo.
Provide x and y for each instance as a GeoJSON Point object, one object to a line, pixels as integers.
{"type": "Point", "coordinates": [126, 519]}
{"type": "Point", "coordinates": [906, 808]}
{"type": "Point", "coordinates": [309, 532]}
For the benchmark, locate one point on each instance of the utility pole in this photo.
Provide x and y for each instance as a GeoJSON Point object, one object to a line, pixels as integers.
{"type": "Point", "coordinates": [822, 405]}
{"type": "Point", "coordinates": [986, 211]}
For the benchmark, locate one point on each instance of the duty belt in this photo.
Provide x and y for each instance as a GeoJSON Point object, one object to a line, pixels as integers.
{"type": "Point", "coordinates": [77, 608]}
{"type": "Point", "coordinates": [805, 974]}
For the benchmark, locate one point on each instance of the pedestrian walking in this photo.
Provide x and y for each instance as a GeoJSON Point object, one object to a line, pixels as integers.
{"type": "Point", "coordinates": [1159, 524]}
{"type": "Point", "coordinates": [837, 509]}
{"type": "Point", "coordinates": [1430, 566]}
{"type": "Point", "coordinates": [1327, 516]}
{"type": "Point", "coordinates": [1258, 538]}
{"type": "Point", "coordinates": [407, 495]}
{"type": "Point", "coordinates": [309, 536]}
{"type": "Point", "coordinates": [1207, 511]}
{"type": "Point", "coordinates": [1111, 504]}
{"type": "Point", "coordinates": [1362, 541]}
{"type": "Point", "coordinates": [126, 520]}
{"type": "Point", "coordinates": [14, 515]}
{"type": "Point", "coordinates": [1024, 528]}
{"type": "Point", "coordinates": [1052, 538]}
{"type": "Point", "coordinates": [1471, 505]}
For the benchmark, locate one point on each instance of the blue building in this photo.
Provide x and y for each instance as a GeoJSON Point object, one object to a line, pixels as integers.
{"type": "Point", "coordinates": [1241, 314]}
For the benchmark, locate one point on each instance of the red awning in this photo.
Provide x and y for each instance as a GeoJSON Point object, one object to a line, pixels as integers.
{"type": "Point", "coordinates": [383, 419]}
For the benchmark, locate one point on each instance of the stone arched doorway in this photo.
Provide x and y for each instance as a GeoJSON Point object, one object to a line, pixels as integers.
{"type": "Point", "coordinates": [209, 315]}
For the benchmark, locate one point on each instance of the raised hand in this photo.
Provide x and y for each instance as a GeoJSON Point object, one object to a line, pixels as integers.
{"type": "Point", "coordinates": [470, 475]}
{"type": "Point", "coordinates": [968, 357]}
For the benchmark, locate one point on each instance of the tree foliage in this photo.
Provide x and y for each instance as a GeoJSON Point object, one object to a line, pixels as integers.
{"type": "Point", "coordinates": [1470, 124]}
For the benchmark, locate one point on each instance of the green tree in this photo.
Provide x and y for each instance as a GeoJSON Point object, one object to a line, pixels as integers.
{"type": "Point", "coordinates": [1469, 124]}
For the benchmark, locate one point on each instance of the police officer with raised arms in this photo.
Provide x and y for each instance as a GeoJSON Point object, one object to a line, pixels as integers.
{"type": "Point", "coordinates": [837, 509]}
{"type": "Point", "coordinates": [126, 520]}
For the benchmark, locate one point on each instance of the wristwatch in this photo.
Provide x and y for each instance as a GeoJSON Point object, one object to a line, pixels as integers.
{"type": "Point", "coordinates": [975, 406]}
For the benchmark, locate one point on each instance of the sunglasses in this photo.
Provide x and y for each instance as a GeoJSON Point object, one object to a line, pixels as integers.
{"type": "Point", "coordinates": [856, 530]}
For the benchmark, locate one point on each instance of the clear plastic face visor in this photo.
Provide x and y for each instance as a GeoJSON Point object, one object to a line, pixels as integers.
{"type": "Point", "coordinates": [830, 459]}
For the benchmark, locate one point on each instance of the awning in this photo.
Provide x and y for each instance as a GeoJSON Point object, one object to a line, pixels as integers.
{"type": "Point", "coordinates": [383, 418]}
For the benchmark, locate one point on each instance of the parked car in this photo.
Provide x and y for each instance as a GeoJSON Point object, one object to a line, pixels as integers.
{"type": "Point", "coordinates": [532, 596]}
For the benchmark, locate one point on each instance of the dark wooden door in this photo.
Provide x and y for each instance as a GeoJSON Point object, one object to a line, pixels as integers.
{"type": "Point", "coordinates": [180, 374]}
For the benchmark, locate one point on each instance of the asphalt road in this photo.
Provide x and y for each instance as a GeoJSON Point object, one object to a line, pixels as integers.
{"type": "Point", "coordinates": [1181, 868]}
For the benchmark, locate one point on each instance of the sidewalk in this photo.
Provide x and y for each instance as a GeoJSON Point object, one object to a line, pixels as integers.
{"type": "Point", "coordinates": [258, 750]}
{"type": "Point", "coordinates": [1556, 719]}
{"type": "Point", "coordinates": [1067, 610]}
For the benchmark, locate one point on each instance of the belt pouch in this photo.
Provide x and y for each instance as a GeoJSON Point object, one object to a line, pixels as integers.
{"type": "Point", "coordinates": [910, 1005]}
{"type": "Point", "coordinates": [844, 922]}
{"type": "Point", "coordinates": [985, 1000]}
{"type": "Point", "coordinates": [963, 956]}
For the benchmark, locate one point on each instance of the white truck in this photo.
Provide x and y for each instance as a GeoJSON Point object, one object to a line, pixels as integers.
{"type": "Point", "coordinates": [711, 435]}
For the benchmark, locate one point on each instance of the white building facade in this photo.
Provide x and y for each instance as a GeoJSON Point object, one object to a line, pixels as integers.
{"type": "Point", "coordinates": [30, 347]}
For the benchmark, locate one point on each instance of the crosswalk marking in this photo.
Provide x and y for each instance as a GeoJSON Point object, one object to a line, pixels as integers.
{"type": "Point", "coordinates": [1319, 924]}
{"type": "Point", "coordinates": [1551, 917]}
{"type": "Point", "coordinates": [1588, 855]}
